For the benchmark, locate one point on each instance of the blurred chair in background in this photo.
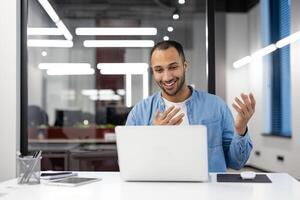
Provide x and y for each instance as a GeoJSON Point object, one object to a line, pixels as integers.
{"type": "Point", "coordinates": [37, 116]}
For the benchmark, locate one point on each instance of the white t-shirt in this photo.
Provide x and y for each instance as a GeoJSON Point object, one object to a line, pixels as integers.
{"type": "Point", "coordinates": [182, 107]}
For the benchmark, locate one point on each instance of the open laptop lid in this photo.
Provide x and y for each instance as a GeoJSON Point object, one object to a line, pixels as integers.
{"type": "Point", "coordinates": [162, 153]}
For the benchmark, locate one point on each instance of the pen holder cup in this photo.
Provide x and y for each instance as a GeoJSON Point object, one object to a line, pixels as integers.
{"type": "Point", "coordinates": [29, 170]}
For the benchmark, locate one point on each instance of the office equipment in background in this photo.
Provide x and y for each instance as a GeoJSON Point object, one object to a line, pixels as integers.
{"type": "Point", "coordinates": [236, 178]}
{"type": "Point", "coordinates": [73, 181]}
{"type": "Point", "coordinates": [162, 153]}
{"type": "Point", "coordinates": [67, 118]}
{"type": "Point", "coordinates": [117, 115]}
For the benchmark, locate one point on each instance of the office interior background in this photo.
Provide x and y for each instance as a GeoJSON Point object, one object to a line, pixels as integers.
{"type": "Point", "coordinates": [71, 113]}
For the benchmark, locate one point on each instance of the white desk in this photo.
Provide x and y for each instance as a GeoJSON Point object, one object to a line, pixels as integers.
{"type": "Point", "coordinates": [111, 187]}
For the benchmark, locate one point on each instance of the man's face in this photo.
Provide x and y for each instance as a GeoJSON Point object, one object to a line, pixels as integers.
{"type": "Point", "coordinates": [168, 70]}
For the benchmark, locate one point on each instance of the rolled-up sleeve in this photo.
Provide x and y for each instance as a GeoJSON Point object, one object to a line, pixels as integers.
{"type": "Point", "coordinates": [236, 148]}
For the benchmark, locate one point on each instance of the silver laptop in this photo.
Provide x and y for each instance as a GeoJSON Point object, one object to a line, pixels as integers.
{"type": "Point", "coordinates": [162, 153]}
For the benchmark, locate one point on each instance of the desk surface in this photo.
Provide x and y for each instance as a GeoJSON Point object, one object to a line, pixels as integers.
{"type": "Point", "coordinates": [112, 188]}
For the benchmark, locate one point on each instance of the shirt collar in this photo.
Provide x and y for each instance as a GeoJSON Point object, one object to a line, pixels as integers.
{"type": "Point", "coordinates": [161, 101]}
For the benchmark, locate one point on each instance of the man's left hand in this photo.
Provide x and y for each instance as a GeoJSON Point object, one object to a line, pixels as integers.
{"type": "Point", "coordinates": [245, 108]}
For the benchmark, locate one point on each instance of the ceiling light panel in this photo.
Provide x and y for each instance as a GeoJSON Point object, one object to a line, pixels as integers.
{"type": "Point", "coordinates": [117, 31]}
{"type": "Point", "coordinates": [44, 31]}
{"type": "Point", "coordinates": [49, 43]}
{"type": "Point", "coordinates": [123, 68]}
{"type": "Point", "coordinates": [118, 43]}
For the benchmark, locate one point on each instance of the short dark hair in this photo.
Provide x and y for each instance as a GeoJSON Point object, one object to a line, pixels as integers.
{"type": "Point", "coordinates": [163, 45]}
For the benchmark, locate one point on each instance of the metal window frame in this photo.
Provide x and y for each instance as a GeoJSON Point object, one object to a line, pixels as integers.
{"type": "Point", "coordinates": [23, 76]}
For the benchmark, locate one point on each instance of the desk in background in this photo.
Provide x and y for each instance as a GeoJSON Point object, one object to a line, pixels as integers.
{"type": "Point", "coordinates": [75, 149]}
{"type": "Point", "coordinates": [113, 188]}
{"type": "Point", "coordinates": [77, 155]}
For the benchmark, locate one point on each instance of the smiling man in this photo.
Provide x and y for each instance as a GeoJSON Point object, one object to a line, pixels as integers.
{"type": "Point", "coordinates": [229, 144]}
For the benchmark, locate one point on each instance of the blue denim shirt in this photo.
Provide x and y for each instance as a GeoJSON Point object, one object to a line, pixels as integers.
{"type": "Point", "coordinates": [225, 147]}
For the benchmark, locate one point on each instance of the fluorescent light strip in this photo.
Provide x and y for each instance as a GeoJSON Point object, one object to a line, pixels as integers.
{"type": "Point", "coordinates": [123, 68]}
{"type": "Point", "coordinates": [44, 31]}
{"type": "Point", "coordinates": [117, 31]}
{"type": "Point", "coordinates": [64, 30]}
{"type": "Point", "coordinates": [266, 50]}
{"type": "Point", "coordinates": [94, 97]}
{"type": "Point", "coordinates": [52, 14]}
{"type": "Point", "coordinates": [90, 92]}
{"type": "Point", "coordinates": [69, 71]}
{"type": "Point", "coordinates": [97, 92]}
{"type": "Point", "coordinates": [260, 53]}
{"type": "Point", "coordinates": [102, 95]}
{"type": "Point", "coordinates": [64, 65]}
{"type": "Point", "coordinates": [67, 68]}
{"type": "Point", "coordinates": [241, 62]}
{"type": "Point", "coordinates": [49, 43]}
{"type": "Point", "coordinates": [49, 9]}
{"type": "Point", "coordinates": [121, 92]}
{"type": "Point", "coordinates": [128, 69]}
{"type": "Point", "coordinates": [118, 43]}
{"type": "Point", "coordinates": [112, 97]}
{"type": "Point", "coordinates": [106, 92]}
{"type": "Point", "coordinates": [288, 40]}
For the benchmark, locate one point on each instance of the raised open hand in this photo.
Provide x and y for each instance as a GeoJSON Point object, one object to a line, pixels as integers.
{"type": "Point", "coordinates": [245, 108]}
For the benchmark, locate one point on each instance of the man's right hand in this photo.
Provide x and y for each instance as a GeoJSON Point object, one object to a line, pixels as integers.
{"type": "Point", "coordinates": [167, 117]}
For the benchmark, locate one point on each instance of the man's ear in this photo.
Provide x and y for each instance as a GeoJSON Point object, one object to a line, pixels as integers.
{"type": "Point", "coordinates": [185, 65]}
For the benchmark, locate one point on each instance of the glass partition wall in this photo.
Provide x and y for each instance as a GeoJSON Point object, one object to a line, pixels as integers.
{"type": "Point", "coordinates": [88, 64]}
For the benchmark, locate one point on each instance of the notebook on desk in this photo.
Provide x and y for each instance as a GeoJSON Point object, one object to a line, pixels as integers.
{"type": "Point", "coordinates": [162, 153]}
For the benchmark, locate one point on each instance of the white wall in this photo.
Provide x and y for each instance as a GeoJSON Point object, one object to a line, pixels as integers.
{"type": "Point", "coordinates": [8, 87]}
{"type": "Point", "coordinates": [243, 35]}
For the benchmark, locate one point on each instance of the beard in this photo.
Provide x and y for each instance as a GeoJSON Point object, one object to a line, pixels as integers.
{"type": "Point", "coordinates": [178, 86]}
